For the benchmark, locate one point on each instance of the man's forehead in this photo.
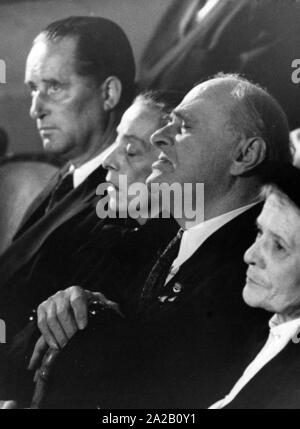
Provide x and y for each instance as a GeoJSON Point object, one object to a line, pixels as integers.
{"type": "Point", "coordinates": [192, 106]}
{"type": "Point", "coordinates": [204, 99]}
{"type": "Point", "coordinates": [139, 112]}
{"type": "Point", "coordinates": [139, 120]}
{"type": "Point", "coordinates": [43, 52]}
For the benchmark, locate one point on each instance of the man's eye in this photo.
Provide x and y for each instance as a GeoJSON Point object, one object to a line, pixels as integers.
{"type": "Point", "coordinates": [130, 150]}
{"type": "Point", "coordinates": [131, 154]}
{"type": "Point", "coordinates": [54, 88]}
{"type": "Point", "coordinates": [279, 247]}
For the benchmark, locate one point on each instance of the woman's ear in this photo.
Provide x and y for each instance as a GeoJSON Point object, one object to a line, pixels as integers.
{"type": "Point", "coordinates": [111, 93]}
{"type": "Point", "coordinates": [249, 154]}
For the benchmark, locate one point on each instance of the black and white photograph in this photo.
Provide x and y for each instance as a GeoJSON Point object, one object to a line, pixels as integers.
{"type": "Point", "coordinates": [149, 207]}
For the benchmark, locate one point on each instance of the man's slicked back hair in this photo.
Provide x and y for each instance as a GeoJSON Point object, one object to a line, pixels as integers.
{"type": "Point", "coordinates": [163, 100]}
{"type": "Point", "coordinates": [103, 50]}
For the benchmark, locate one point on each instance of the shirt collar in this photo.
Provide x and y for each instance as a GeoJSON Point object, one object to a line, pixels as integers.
{"type": "Point", "coordinates": [284, 330]}
{"type": "Point", "coordinates": [85, 170]}
{"type": "Point", "coordinates": [219, 221]}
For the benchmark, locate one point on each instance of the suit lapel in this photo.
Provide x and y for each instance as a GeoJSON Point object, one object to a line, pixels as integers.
{"type": "Point", "coordinates": [23, 249]}
{"type": "Point", "coordinates": [37, 209]}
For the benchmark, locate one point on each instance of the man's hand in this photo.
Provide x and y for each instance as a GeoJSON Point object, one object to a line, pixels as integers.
{"type": "Point", "coordinates": [64, 314]}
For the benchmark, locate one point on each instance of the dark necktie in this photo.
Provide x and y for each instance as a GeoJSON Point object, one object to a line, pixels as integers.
{"type": "Point", "coordinates": [64, 186]}
{"type": "Point", "coordinates": [160, 271]}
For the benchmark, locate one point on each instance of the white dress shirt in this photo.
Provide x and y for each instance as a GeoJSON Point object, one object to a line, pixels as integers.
{"type": "Point", "coordinates": [81, 173]}
{"type": "Point", "coordinates": [194, 237]}
{"type": "Point", "coordinates": [280, 335]}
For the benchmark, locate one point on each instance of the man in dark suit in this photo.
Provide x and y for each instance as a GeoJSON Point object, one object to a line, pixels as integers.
{"type": "Point", "coordinates": [188, 320]}
{"type": "Point", "coordinates": [78, 96]}
{"type": "Point", "coordinates": [271, 379]}
{"type": "Point", "coordinates": [80, 73]}
{"type": "Point", "coordinates": [198, 38]}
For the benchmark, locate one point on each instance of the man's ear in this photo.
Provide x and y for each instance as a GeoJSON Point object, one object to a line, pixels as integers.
{"type": "Point", "coordinates": [249, 154]}
{"type": "Point", "coordinates": [111, 93]}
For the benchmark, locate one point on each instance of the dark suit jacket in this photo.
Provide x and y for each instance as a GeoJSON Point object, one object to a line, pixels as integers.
{"type": "Point", "coordinates": [276, 386]}
{"type": "Point", "coordinates": [60, 232]}
{"type": "Point", "coordinates": [258, 39]}
{"type": "Point", "coordinates": [175, 354]}
{"type": "Point", "coordinates": [39, 206]}
{"type": "Point", "coordinates": [194, 335]}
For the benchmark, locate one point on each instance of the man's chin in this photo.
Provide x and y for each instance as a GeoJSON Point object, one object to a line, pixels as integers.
{"type": "Point", "coordinates": [251, 297]}
{"type": "Point", "coordinates": [55, 147]}
{"type": "Point", "coordinates": [52, 148]}
{"type": "Point", "coordinates": [47, 144]}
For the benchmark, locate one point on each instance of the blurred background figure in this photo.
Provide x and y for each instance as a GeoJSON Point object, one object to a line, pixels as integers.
{"type": "Point", "coordinates": [4, 143]}
{"type": "Point", "coordinates": [198, 38]}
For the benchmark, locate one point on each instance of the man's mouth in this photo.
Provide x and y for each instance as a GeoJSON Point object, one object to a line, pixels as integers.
{"type": "Point", "coordinates": [253, 279]}
{"type": "Point", "coordinates": [45, 131]}
{"type": "Point", "coordinates": [163, 162]}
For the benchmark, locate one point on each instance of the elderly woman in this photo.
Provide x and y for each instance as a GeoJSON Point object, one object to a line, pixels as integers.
{"type": "Point", "coordinates": [272, 379]}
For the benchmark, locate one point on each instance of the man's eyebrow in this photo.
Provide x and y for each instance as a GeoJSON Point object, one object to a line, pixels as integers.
{"type": "Point", "coordinates": [137, 140]}
{"type": "Point", "coordinates": [183, 115]}
{"type": "Point", "coordinates": [31, 83]}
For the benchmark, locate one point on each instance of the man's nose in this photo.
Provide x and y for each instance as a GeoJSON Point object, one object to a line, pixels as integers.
{"type": "Point", "coordinates": [163, 137]}
{"type": "Point", "coordinates": [38, 109]}
{"type": "Point", "coordinates": [254, 256]}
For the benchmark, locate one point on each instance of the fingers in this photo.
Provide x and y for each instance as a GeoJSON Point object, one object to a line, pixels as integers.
{"type": "Point", "coordinates": [65, 316]}
{"type": "Point", "coordinates": [50, 326]}
{"type": "Point", "coordinates": [38, 354]}
{"type": "Point", "coordinates": [61, 316]}
{"type": "Point", "coordinates": [79, 304]}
